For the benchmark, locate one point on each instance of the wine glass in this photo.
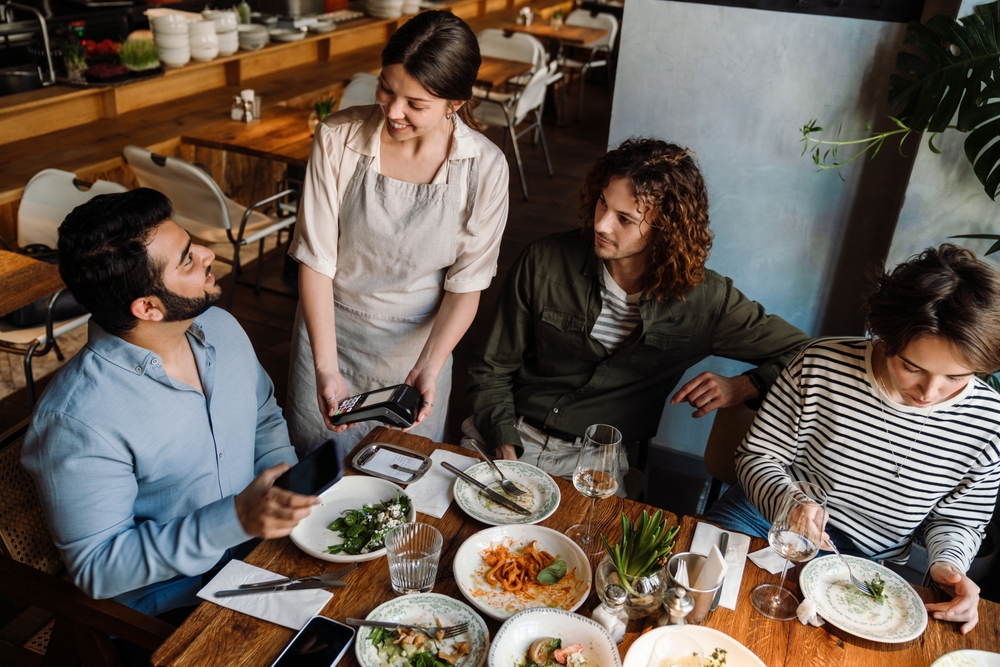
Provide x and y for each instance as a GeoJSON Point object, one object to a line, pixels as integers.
{"type": "Point", "coordinates": [796, 533]}
{"type": "Point", "coordinates": [596, 476]}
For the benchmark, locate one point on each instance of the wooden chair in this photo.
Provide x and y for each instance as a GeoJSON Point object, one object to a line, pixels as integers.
{"type": "Point", "coordinates": [728, 430]}
{"type": "Point", "coordinates": [29, 573]}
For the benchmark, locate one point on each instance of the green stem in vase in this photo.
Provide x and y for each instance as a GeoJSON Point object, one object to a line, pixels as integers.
{"type": "Point", "coordinates": [644, 547]}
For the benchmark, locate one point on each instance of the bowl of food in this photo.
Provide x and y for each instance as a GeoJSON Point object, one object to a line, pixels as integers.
{"type": "Point", "coordinates": [508, 569]}
{"type": "Point", "coordinates": [552, 638]}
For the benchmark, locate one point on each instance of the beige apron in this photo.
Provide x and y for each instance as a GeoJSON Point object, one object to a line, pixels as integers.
{"type": "Point", "coordinates": [397, 242]}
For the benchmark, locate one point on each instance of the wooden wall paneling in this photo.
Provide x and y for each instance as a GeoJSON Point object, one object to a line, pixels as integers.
{"type": "Point", "coordinates": [271, 60]}
{"type": "Point", "coordinates": [31, 120]}
{"type": "Point", "coordinates": [174, 85]}
{"type": "Point", "coordinates": [377, 33]}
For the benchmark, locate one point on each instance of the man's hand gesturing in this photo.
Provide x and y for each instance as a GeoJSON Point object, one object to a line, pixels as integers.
{"type": "Point", "coordinates": [266, 511]}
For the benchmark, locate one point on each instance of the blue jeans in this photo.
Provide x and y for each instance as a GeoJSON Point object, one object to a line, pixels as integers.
{"type": "Point", "coordinates": [735, 512]}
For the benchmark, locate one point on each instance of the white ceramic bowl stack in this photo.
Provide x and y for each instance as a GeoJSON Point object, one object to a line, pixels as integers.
{"type": "Point", "coordinates": [170, 34]}
{"type": "Point", "coordinates": [411, 6]}
{"type": "Point", "coordinates": [253, 36]}
{"type": "Point", "coordinates": [204, 42]}
{"type": "Point", "coordinates": [384, 9]}
{"type": "Point", "coordinates": [226, 23]}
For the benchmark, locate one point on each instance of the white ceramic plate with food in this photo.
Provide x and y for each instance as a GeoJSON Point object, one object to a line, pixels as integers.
{"type": "Point", "coordinates": [313, 534]}
{"type": "Point", "coordinates": [718, 648]}
{"type": "Point", "coordinates": [427, 609]}
{"type": "Point", "coordinates": [900, 618]}
{"type": "Point", "coordinates": [497, 602]}
{"type": "Point", "coordinates": [542, 497]}
{"type": "Point", "coordinates": [968, 658]}
{"type": "Point", "coordinates": [516, 635]}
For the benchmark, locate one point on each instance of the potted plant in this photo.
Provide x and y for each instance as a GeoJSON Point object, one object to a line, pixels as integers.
{"type": "Point", "coordinates": [139, 55]}
{"type": "Point", "coordinates": [637, 562]}
{"type": "Point", "coordinates": [321, 109]}
{"type": "Point", "coordinates": [557, 19]}
{"type": "Point", "coordinates": [75, 59]}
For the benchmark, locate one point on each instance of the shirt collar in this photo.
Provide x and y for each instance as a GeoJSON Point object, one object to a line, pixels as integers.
{"type": "Point", "coordinates": [366, 138]}
{"type": "Point", "coordinates": [132, 358]}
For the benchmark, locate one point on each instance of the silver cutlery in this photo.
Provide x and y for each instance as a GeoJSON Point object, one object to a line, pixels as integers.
{"type": "Point", "coordinates": [860, 585]}
{"type": "Point", "coordinates": [490, 493]}
{"type": "Point", "coordinates": [292, 586]}
{"type": "Point", "coordinates": [329, 576]}
{"type": "Point", "coordinates": [431, 630]}
{"type": "Point", "coordinates": [508, 486]}
{"type": "Point", "coordinates": [723, 545]}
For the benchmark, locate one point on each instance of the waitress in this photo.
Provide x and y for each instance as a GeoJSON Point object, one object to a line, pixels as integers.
{"type": "Point", "coordinates": [403, 208]}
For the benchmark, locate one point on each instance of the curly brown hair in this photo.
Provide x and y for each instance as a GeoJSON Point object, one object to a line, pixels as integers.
{"type": "Point", "coordinates": [665, 181]}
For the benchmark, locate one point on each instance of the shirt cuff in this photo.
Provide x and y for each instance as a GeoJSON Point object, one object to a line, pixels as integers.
{"type": "Point", "coordinates": [299, 253]}
{"type": "Point", "coordinates": [506, 434]}
{"type": "Point", "coordinates": [462, 286]}
{"type": "Point", "coordinates": [223, 525]}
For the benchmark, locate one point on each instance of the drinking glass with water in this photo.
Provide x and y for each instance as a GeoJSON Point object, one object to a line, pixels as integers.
{"type": "Point", "coordinates": [413, 551]}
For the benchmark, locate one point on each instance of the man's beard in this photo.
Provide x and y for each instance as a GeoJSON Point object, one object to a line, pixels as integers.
{"type": "Point", "coordinates": [180, 308]}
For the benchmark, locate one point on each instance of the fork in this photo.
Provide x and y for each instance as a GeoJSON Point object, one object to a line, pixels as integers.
{"type": "Point", "coordinates": [329, 576]}
{"type": "Point", "coordinates": [508, 486]}
{"type": "Point", "coordinates": [860, 585]}
{"type": "Point", "coordinates": [431, 631]}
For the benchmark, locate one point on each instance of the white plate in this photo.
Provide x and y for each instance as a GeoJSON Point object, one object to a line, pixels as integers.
{"type": "Point", "coordinates": [900, 618]}
{"type": "Point", "coordinates": [469, 569]}
{"type": "Point", "coordinates": [426, 609]}
{"type": "Point", "coordinates": [287, 35]}
{"type": "Point", "coordinates": [511, 643]}
{"type": "Point", "coordinates": [737, 655]}
{"type": "Point", "coordinates": [350, 493]}
{"type": "Point", "coordinates": [542, 498]}
{"type": "Point", "coordinates": [966, 658]}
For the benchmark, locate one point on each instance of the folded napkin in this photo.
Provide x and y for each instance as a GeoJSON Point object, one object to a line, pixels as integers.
{"type": "Point", "coordinates": [292, 609]}
{"type": "Point", "coordinates": [705, 537]}
{"type": "Point", "coordinates": [768, 559]}
{"type": "Point", "coordinates": [807, 613]}
{"type": "Point", "coordinates": [433, 493]}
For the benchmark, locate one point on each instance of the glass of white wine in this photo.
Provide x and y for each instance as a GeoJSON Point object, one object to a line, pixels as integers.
{"type": "Point", "coordinates": [596, 476]}
{"type": "Point", "coordinates": [796, 534]}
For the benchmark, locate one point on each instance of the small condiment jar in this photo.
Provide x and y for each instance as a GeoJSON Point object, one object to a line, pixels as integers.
{"type": "Point", "coordinates": [611, 613]}
{"type": "Point", "coordinates": [676, 605]}
{"type": "Point", "coordinates": [236, 111]}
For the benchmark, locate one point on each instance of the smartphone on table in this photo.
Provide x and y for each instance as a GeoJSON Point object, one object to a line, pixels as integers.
{"type": "Point", "coordinates": [321, 643]}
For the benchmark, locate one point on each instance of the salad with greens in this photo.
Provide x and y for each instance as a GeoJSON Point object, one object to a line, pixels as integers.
{"type": "Point", "coordinates": [364, 530]}
{"type": "Point", "coordinates": [406, 648]}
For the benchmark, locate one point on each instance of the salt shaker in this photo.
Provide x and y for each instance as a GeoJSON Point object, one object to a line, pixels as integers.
{"type": "Point", "coordinates": [676, 605]}
{"type": "Point", "coordinates": [611, 613]}
{"type": "Point", "coordinates": [236, 111]}
{"type": "Point", "coordinates": [247, 96]}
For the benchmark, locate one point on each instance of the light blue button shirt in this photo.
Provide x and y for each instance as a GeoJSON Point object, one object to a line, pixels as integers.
{"type": "Point", "coordinates": [136, 471]}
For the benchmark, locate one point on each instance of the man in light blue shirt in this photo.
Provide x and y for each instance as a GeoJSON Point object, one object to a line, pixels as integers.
{"type": "Point", "coordinates": [155, 448]}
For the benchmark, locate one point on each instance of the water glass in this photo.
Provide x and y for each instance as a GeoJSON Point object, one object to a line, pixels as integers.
{"type": "Point", "coordinates": [413, 551]}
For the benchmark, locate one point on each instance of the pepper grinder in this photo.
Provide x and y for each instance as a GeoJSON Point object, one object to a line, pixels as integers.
{"type": "Point", "coordinates": [676, 605]}
{"type": "Point", "coordinates": [247, 96]}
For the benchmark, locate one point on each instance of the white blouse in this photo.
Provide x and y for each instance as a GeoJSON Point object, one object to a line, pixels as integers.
{"type": "Point", "coordinates": [340, 142]}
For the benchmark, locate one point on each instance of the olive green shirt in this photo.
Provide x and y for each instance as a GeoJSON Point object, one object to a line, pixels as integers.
{"type": "Point", "coordinates": [540, 362]}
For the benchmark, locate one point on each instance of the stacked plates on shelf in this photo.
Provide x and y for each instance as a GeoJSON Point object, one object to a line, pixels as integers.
{"type": "Point", "coordinates": [287, 34]}
{"type": "Point", "coordinates": [170, 34]}
{"type": "Point", "coordinates": [253, 36]}
{"type": "Point", "coordinates": [204, 41]}
{"type": "Point", "coordinates": [225, 30]}
{"type": "Point", "coordinates": [384, 9]}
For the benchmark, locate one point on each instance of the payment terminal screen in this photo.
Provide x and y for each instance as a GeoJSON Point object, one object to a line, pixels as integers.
{"type": "Point", "coordinates": [378, 397]}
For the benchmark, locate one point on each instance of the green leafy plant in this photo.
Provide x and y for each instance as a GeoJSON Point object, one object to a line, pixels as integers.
{"type": "Point", "coordinates": [644, 547]}
{"type": "Point", "coordinates": [957, 70]}
{"type": "Point", "coordinates": [323, 108]}
{"type": "Point", "coordinates": [139, 55]}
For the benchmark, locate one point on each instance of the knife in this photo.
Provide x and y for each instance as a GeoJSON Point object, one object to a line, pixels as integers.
{"type": "Point", "coordinates": [492, 495]}
{"type": "Point", "coordinates": [297, 586]}
{"type": "Point", "coordinates": [723, 545]}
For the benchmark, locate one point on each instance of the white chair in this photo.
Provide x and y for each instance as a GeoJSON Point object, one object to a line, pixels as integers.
{"type": "Point", "coordinates": [513, 112]}
{"type": "Point", "coordinates": [48, 197]}
{"type": "Point", "coordinates": [601, 51]}
{"type": "Point", "coordinates": [360, 91]}
{"type": "Point", "coordinates": [202, 209]}
{"type": "Point", "coordinates": [517, 46]}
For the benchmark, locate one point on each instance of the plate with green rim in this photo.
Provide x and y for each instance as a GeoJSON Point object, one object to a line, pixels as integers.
{"type": "Point", "coordinates": [900, 618]}
{"type": "Point", "coordinates": [968, 658]}
{"type": "Point", "coordinates": [426, 609]}
{"type": "Point", "coordinates": [541, 500]}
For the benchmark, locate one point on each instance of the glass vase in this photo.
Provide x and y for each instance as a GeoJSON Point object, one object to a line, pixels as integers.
{"type": "Point", "coordinates": [644, 593]}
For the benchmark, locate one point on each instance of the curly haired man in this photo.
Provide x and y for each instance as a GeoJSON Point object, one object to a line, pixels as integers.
{"type": "Point", "coordinates": [599, 326]}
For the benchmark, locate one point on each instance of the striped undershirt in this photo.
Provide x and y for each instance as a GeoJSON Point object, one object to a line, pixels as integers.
{"type": "Point", "coordinates": [822, 423]}
{"type": "Point", "coordinates": [619, 314]}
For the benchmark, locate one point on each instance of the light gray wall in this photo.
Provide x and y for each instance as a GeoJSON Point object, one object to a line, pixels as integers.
{"type": "Point", "coordinates": [735, 85]}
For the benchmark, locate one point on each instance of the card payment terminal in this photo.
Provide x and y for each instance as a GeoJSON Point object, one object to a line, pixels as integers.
{"type": "Point", "coordinates": [396, 406]}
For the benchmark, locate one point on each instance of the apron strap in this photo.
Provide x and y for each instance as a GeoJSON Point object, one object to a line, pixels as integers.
{"type": "Point", "coordinates": [454, 167]}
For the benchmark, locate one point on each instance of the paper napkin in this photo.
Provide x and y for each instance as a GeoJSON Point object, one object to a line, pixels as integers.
{"type": "Point", "coordinates": [292, 609]}
{"type": "Point", "coordinates": [432, 493]}
{"type": "Point", "coordinates": [768, 559]}
{"type": "Point", "coordinates": [705, 537]}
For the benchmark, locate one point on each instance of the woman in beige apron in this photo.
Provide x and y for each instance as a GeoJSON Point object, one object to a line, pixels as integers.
{"type": "Point", "coordinates": [399, 230]}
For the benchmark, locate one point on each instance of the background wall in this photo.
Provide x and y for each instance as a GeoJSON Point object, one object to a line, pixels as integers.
{"type": "Point", "coordinates": [735, 85]}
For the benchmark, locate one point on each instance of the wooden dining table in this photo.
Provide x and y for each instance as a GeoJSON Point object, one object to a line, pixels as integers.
{"type": "Point", "coordinates": [570, 35]}
{"type": "Point", "coordinates": [24, 280]}
{"type": "Point", "coordinates": [214, 635]}
{"type": "Point", "coordinates": [495, 72]}
{"type": "Point", "coordinates": [281, 134]}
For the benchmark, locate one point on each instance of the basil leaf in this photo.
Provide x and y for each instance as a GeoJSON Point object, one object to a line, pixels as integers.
{"type": "Point", "coordinates": [555, 643]}
{"type": "Point", "coordinates": [553, 573]}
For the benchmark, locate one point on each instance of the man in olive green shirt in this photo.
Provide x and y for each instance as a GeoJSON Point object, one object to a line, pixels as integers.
{"type": "Point", "coordinates": [599, 325]}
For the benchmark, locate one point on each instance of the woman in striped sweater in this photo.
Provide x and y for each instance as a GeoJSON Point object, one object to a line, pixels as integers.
{"type": "Point", "coordinates": [896, 428]}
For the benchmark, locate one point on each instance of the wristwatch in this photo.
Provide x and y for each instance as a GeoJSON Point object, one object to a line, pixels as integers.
{"type": "Point", "coordinates": [757, 383]}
